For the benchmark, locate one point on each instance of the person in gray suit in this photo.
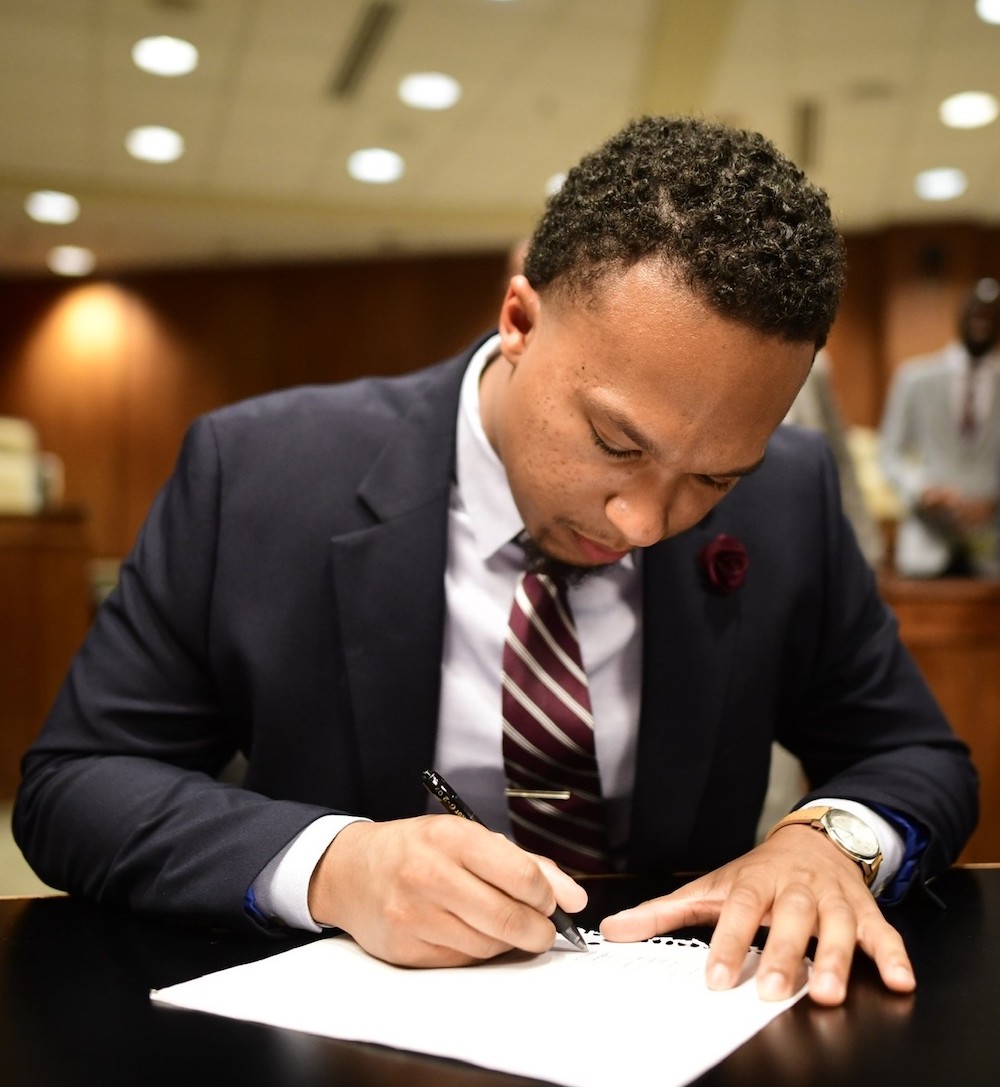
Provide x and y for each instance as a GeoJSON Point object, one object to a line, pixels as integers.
{"type": "Point", "coordinates": [940, 448]}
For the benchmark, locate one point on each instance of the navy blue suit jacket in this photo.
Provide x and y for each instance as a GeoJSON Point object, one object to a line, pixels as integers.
{"type": "Point", "coordinates": [285, 599]}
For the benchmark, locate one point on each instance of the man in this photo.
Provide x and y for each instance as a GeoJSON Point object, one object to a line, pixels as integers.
{"type": "Point", "coordinates": [325, 585]}
{"type": "Point", "coordinates": [940, 448]}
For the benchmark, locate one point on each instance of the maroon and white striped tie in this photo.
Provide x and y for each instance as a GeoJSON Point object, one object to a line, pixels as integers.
{"type": "Point", "coordinates": [548, 732]}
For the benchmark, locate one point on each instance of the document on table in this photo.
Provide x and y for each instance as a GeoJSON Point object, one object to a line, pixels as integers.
{"type": "Point", "coordinates": [623, 1014]}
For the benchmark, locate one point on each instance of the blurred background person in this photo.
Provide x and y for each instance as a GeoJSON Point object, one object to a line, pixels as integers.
{"type": "Point", "coordinates": [815, 407]}
{"type": "Point", "coordinates": [940, 448]}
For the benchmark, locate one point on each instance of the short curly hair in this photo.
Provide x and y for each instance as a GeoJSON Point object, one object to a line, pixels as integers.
{"type": "Point", "coordinates": [721, 207]}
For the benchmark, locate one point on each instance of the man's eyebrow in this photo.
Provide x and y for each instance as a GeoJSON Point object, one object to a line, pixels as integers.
{"type": "Point", "coordinates": [631, 431]}
{"type": "Point", "coordinates": [645, 443]}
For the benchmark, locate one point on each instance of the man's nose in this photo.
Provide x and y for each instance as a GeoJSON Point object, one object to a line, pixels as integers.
{"type": "Point", "coordinates": [640, 516]}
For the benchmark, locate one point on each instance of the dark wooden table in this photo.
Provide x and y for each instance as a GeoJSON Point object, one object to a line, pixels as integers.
{"type": "Point", "coordinates": [74, 1008]}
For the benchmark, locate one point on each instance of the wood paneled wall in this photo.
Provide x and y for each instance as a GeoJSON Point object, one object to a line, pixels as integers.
{"type": "Point", "coordinates": [905, 286]}
{"type": "Point", "coordinates": [112, 373]}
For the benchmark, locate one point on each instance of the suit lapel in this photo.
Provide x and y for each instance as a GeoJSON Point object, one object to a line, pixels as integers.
{"type": "Point", "coordinates": [684, 625]}
{"type": "Point", "coordinates": [388, 582]}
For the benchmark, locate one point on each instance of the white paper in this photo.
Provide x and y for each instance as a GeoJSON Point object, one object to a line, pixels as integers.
{"type": "Point", "coordinates": [623, 1014]}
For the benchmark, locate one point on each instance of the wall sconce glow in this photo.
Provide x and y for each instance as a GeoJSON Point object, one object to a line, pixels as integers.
{"type": "Point", "coordinates": [944, 183]}
{"type": "Point", "coordinates": [166, 56]}
{"type": "Point", "coordinates": [376, 166]}
{"type": "Point", "coordinates": [48, 206]}
{"type": "Point", "coordinates": [970, 109]}
{"type": "Point", "coordinates": [71, 260]}
{"type": "Point", "coordinates": [988, 11]}
{"type": "Point", "coordinates": [429, 90]}
{"type": "Point", "coordinates": [154, 143]}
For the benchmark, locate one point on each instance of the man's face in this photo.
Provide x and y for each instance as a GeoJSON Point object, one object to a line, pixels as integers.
{"type": "Point", "coordinates": [625, 421]}
{"type": "Point", "coordinates": [980, 327]}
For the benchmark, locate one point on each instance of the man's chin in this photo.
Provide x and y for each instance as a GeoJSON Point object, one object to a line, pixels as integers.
{"type": "Point", "coordinates": [539, 560]}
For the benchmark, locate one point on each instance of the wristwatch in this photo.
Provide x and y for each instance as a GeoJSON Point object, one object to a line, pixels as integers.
{"type": "Point", "coordinates": [848, 833]}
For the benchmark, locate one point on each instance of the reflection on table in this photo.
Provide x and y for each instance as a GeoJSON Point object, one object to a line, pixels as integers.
{"type": "Point", "coordinates": [74, 1007]}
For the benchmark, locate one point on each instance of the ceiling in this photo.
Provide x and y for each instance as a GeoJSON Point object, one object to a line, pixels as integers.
{"type": "Point", "coordinates": [850, 88]}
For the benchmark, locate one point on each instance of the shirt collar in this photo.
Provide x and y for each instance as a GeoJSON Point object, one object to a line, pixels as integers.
{"type": "Point", "coordinates": [957, 359]}
{"type": "Point", "coordinates": [482, 481]}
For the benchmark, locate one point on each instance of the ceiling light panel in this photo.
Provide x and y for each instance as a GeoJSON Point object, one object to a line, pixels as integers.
{"type": "Point", "coordinates": [48, 206]}
{"type": "Point", "coordinates": [165, 56]}
{"type": "Point", "coordinates": [941, 183]}
{"type": "Point", "coordinates": [71, 260]}
{"type": "Point", "coordinates": [429, 90]}
{"type": "Point", "coordinates": [970, 109]}
{"type": "Point", "coordinates": [988, 11]}
{"type": "Point", "coordinates": [155, 143]}
{"type": "Point", "coordinates": [376, 166]}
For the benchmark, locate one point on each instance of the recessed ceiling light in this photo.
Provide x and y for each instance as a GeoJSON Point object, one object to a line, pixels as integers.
{"type": "Point", "coordinates": [555, 183]}
{"type": "Point", "coordinates": [375, 165]}
{"type": "Point", "coordinates": [970, 109]}
{"type": "Point", "coordinates": [47, 206]}
{"type": "Point", "coordinates": [429, 90]}
{"type": "Point", "coordinates": [154, 143]}
{"type": "Point", "coordinates": [988, 10]}
{"type": "Point", "coordinates": [71, 260]}
{"type": "Point", "coordinates": [163, 55]}
{"type": "Point", "coordinates": [944, 183]}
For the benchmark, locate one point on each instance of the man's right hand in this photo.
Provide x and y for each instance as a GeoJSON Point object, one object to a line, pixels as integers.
{"type": "Point", "coordinates": [438, 891]}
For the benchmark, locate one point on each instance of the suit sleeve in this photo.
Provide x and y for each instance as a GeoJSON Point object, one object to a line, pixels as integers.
{"type": "Point", "coordinates": [860, 715]}
{"type": "Point", "coordinates": [119, 799]}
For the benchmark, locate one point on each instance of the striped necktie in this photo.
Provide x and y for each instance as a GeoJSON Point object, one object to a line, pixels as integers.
{"type": "Point", "coordinates": [548, 732]}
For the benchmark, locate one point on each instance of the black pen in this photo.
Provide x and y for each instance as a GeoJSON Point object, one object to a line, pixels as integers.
{"type": "Point", "coordinates": [435, 784]}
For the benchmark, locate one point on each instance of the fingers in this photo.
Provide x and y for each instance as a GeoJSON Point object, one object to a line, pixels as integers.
{"type": "Point", "coordinates": [882, 943]}
{"type": "Point", "coordinates": [799, 886]}
{"type": "Point", "coordinates": [569, 894]}
{"type": "Point", "coordinates": [687, 906]}
{"type": "Point", "coordinates": [436, 891]}
{"type": "Point", "coordinates": [797, 915]}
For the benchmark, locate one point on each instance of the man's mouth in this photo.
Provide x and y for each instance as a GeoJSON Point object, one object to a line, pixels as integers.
{"type": "Point", "coordinates": [596, 553]}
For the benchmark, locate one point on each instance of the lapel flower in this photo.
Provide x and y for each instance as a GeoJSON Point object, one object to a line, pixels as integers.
{"type": "Point", "coordinates": [724, 562]}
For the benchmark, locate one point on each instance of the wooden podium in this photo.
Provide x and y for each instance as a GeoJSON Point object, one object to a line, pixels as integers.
{"type": "Point", "coordinates": [45, 609]}
{"type": "Point", "coordinates": [952, 628]}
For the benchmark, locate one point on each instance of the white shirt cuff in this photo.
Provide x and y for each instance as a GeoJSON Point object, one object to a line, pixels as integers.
{"type": "Point", "coordinates": [281, 891]}
{"type": "Point", "coordinates": [889, 839]}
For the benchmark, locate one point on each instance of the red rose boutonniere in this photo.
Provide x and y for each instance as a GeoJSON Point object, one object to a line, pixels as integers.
{"type": "Point", "coordinates": [725, 563]}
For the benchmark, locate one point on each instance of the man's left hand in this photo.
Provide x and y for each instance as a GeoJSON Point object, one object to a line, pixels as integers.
{"type": "Point", "coordinates": [800, 885]}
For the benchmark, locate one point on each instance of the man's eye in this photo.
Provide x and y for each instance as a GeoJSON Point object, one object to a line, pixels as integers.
{"type": "Point", "coordinates": [717, 484]}
{"type": "Point", "coordinates": [609, 450]}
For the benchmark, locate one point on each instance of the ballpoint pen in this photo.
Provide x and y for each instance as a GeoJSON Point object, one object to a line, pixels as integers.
{"type": "Point", "coordinates": [435, 784]}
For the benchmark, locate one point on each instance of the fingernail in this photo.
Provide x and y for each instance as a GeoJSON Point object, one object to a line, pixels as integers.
{"type": "Point", "coordinates": [772, 986]}
{"type": "Point", "coordinates": [717, 977]}
{"type": "Point", "coordinates": [828, 985]}
{"type": "Point", "coordinates": [902, 976]}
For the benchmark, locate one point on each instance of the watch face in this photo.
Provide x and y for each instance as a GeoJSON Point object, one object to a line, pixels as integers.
{"type": "Point", "coordinates": [852, 833]}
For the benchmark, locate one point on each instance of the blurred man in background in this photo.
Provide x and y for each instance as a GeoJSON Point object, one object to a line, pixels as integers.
{"type": "Point", "coordinates": [940, 448]}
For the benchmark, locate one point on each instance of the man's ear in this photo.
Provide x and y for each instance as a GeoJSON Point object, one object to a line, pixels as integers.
{"type": "Point", "coordinates": [518, 318]}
